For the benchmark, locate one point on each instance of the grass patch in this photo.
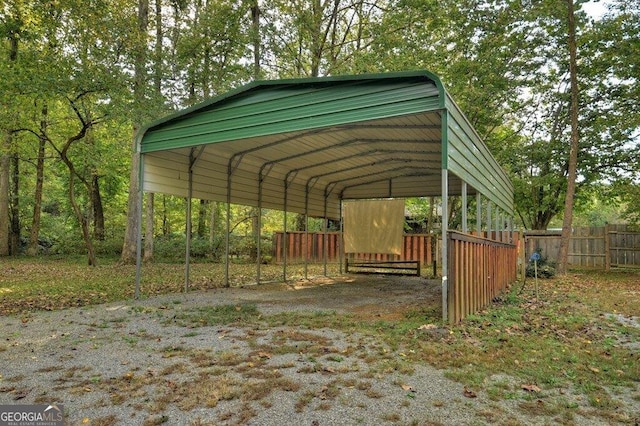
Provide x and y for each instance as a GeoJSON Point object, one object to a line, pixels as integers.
{"type": "Point", "coordinates": [57, 282]}
{"type": "Point", "coordinates": [218, 315]}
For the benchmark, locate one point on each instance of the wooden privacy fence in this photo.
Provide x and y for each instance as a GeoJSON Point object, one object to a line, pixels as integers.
{"type": "Point", "coordinates": [301, 245]}
{"type": "Point", "coordinates": [478, 270]}
{"type": "Point", "coordinates": [589, 247]}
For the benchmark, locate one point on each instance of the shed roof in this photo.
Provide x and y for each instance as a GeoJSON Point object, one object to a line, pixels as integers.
{"type": "Point", "coordinates": [303, 145]}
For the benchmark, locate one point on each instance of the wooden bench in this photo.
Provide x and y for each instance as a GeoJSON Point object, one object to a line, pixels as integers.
{"type": "Point", "coordinates": [401, 267]}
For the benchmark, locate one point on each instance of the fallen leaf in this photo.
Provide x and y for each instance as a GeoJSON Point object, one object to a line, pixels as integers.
{"type": "Point", "coordinates": [469, 393]}
{"type": "Point", "coordinates": [531, 388]}
{"type": "Point", "coordinates": [595, 370]}
{"type": "Point", "coordinates": [427, 327]}
{"type": "Point", "coordinates": [407, 388]}
{"type": "Point", "coordinates": [21, 394]}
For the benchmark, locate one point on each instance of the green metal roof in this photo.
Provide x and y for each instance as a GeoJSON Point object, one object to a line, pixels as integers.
{"type": "Point", "coordinates": [324, 139]}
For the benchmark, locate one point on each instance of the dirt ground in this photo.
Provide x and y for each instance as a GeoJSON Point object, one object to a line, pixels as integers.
{"type": "Point", "coordinates": [149, 362]}
{"type": "Point", "coordinates": [366, 295]}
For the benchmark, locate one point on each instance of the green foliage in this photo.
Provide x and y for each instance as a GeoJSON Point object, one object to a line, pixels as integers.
{"type": "Point", "coordinates": [172, 248]}
{"type": "Point", "coordinates": [219, 315]}
{"type": "Point", "coordinates": [542, 268]}
{"type": "Point", "coordinates": [68, 62]}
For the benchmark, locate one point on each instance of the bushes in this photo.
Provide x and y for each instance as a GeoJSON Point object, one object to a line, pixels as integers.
{"type": "Point", "coordinates": [166, 248]}
{"type": "Point", "coordinates": [172, 248]}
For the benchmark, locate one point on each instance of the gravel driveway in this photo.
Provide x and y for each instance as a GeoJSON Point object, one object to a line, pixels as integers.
{"type": "Point", "coordinates": [142, 362]}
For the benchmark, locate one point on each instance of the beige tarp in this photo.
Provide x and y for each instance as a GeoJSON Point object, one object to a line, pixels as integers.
{"type": "Point", "coordinates": [374, 226]}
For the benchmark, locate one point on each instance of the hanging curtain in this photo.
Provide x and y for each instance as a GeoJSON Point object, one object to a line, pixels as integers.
{"type": "Point", "coordinates": [374, 226]}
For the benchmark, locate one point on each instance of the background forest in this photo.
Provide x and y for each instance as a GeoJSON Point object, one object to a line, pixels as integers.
{"type": "Point", "coordinates": [79, 77]}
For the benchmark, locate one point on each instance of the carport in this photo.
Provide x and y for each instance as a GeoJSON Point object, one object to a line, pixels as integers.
{"type": "Point", "coordinates": [305, 145]}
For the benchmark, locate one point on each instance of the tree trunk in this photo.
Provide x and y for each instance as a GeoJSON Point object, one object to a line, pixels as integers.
{"type": "Point", "coordinates": [563, 255]}
{"type": "Point", "coordinates": [165, 219]}
{"type": "Point", "coordinates": [5, 162]}
{"type": "Point", "coordinates": [14, 235]}
{"type": "Point", "coordinates": [215, 221]}
{"type": "Point", "coordinates": [202, 219]}
{"type": "Point", "coordinates": [300, 222]}
{"type": "Point", "coordinates": [81, 219]}
{"type": "Point", "coordinates": [148, 230]}
{"type": "Point", "coordinates": [157, 78]}
{"type": "Point", "coordinates": [32, 250]}
{"type": "Point", "coordinates": [98, 210]}
{"type": "Point", "coordinates": [133, 210]}
{"type": "Point", "coordinates": [255, 35]}
{"type": "Point", "coordinates": [129, 247]}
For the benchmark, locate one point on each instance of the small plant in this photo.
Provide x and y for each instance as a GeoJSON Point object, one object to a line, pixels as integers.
{"type": "Point", "coordinates": [540, 266]}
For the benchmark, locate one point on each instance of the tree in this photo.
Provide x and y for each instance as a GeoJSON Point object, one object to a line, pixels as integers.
{"type": "Point", "coordinates": [314, 38]}
{"type": "Point", "coordinates": [86, 123]}
{"type": "Point", "coordinates": [12, 29]}
{"type": "Point", "coordinates": [563, 255]}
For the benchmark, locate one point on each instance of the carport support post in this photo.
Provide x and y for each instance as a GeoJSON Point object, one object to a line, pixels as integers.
{"type": "Point", "coordinates": [341, 252]}
{"type": "Point", "coordinates": [284, 235]}
{"type": "Point", "coordinates": [259, 224]}
{"type": "Point", "coordinates": [445, 213]}
{"type": "Point", "coordinates": [306, 231]}
{"type": "Point", "coordinates": [259, 242]}
{"type": "Point", "coordinates": [188, 233]}
{"type": "Point", "coordinates": [139, 236]}
{"type": "Point", "coordinates": [325, 237]}
{"type": "Point", "coordinates": [226, 235]}
{"type": "Point", "coordinates": [444, 251]}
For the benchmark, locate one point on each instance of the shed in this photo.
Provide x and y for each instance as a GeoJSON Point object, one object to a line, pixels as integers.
{"type": "Point", "coordinates": [304, 145]}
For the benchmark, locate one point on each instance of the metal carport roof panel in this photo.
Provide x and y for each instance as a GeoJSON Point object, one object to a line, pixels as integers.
{"type": "Point", "coordinates": [324, 139]}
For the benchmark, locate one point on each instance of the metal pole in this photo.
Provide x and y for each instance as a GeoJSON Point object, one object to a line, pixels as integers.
{"type": "Point", "coordinates": [259, 233]}
{"type": "Point", "coordinates": [341, 253]}
{"type": "Point", "coordinates": [139, 230]}
{"type": "Point", "coordinates": [188, 234]}
{"type": "Point", "coordinates": [284, 234]}
{"type": "Point", "coordinates": [226, 233]}
{"type": "Point", "coordinates": [444, 251]}
{"type": "Point", "coordinates": [305, 246]}
{"type": "Point", "coordinates": [325, 237]}
{"type": "Point", "coordinates": [445, 213]}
